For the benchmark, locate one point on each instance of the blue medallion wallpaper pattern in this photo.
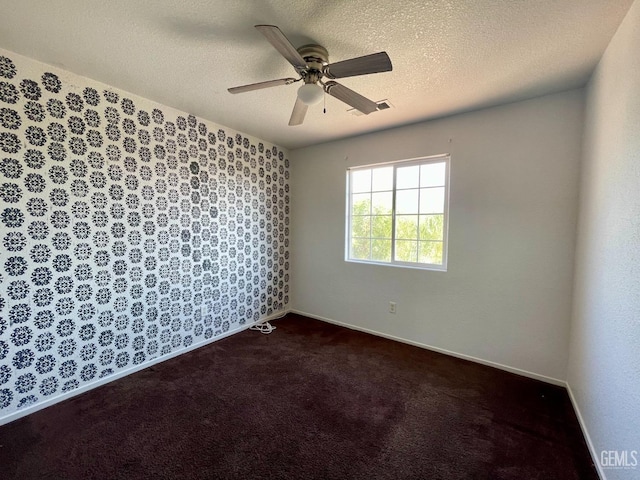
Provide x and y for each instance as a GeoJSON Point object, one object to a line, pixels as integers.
{"type": "Point", "coordinates": [128, 231]}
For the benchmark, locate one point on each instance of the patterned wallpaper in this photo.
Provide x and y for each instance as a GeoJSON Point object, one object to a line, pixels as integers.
{"type": "Point", "coordinates": [129, 231]}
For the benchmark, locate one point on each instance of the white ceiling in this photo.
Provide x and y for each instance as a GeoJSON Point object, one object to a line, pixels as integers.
{"type": "Point", "coordinates": [448, 56]}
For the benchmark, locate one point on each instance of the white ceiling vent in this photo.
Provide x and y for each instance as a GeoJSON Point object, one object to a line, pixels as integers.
{"type": "Point", "coordinates": [382, 105]}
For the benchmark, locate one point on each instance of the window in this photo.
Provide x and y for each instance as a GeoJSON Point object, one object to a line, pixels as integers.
{"type": "Point", "coordinates": [398, 213]}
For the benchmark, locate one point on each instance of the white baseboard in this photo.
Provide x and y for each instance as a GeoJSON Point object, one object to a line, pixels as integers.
{"type": "Point", "coordinates": [585, 432]}
{"type": "Point", "coordinates": [517, 371]}
{"type": "Point", "coordinates": [123, 373]}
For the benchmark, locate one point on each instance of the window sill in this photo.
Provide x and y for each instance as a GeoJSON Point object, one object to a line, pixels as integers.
{"type": "Point", "coordinates": [432, 268]}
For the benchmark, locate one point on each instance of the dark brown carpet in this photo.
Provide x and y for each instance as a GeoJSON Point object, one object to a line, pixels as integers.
{"type": "Point", "coordinates": [311, 401]}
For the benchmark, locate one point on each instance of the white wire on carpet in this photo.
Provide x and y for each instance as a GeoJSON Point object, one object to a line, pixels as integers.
{"type": "Point", "coordinates": [266, 327]}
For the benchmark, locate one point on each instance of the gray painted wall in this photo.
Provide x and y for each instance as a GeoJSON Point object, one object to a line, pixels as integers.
{"type": "Point", "coordinates": [506, 297]}
{"type": "Point", "coordinates": [604, 362]}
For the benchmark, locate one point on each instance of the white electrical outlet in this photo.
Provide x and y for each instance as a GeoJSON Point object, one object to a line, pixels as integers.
{"type": "Point", "coordinates": [392, 307]}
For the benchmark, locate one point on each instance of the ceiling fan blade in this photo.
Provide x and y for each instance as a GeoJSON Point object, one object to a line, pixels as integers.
{"type": "Point", "coordinates": [299, 111]}
{"type": "Point", "coordinates": [259, 85]}
{"type": "Point", "coordinates": [350, 97]}
{"type": "Point", "coordinates": [275, 36]}
{"type": "Point", "coordinates": [374, 63]}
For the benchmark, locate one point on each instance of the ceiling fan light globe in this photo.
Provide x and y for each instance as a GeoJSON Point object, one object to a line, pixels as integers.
{"type": "Point", "coordinates": [310, 93]}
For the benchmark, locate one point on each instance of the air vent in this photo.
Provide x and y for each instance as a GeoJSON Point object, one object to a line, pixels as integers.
{"type": "Point", "coordinates": [382, 105]}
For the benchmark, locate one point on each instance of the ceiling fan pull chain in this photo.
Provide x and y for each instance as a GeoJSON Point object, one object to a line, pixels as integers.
{"type": "Point", "coordinates": [324, 104]}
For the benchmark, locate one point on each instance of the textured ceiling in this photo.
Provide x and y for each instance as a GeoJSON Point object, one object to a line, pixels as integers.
{"type": "Point", "coordinates": [448, 56]}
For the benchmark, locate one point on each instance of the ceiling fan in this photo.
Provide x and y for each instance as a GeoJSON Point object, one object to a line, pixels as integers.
{"type": "Point", "coordinates": [311, 63]}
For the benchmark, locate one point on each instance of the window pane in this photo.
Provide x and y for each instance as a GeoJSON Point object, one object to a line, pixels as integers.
{"type": "Point", "coordinates": [406, 251]}
{"type": "Point", "coordinates": [360, 226]}
{"type": "Point", "coordinates": [381, 226]}
{"type": "Point", "coordinates": [382, 203]}
{"type": "Point", "coordinates": [407, 227]}
{"type": "Point", "coordinates": [431, 227]}
{"type": "Point", "coordinates": [430, 252]}
{"type": "Point", "coordinates": [407, 201]}
{"type": "Point", "coordinates": [382, 179]}
{"type": "Point", "coordinates": [361, 204]}
{"type": "Point", "coordinates": [432, 175]}
{"type": "Point", "coordinates": [360, 181]}
{"type": "Point", "coordinates": [360, 248]}
{"type": "Point", "coordinates": [381, 250]}
{"type": "Point", "coordinates": [432, 200]}
{"type": "Point", "coordinates": [407, 177]}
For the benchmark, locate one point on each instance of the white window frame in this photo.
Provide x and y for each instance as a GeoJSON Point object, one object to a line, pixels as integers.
{"type": "Point", "coordinates": [443, 158]}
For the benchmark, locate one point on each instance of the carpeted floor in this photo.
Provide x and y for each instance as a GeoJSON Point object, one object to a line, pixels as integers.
{"type": "Point", "coordinates": [309, 401]}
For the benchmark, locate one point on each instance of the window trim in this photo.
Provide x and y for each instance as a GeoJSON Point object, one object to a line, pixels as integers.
{"type": "Point", "coordinates": [440, 158]}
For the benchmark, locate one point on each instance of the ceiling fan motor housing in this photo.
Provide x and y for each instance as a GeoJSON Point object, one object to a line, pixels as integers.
{"type": "Point", "coordinates": [316, 57]}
